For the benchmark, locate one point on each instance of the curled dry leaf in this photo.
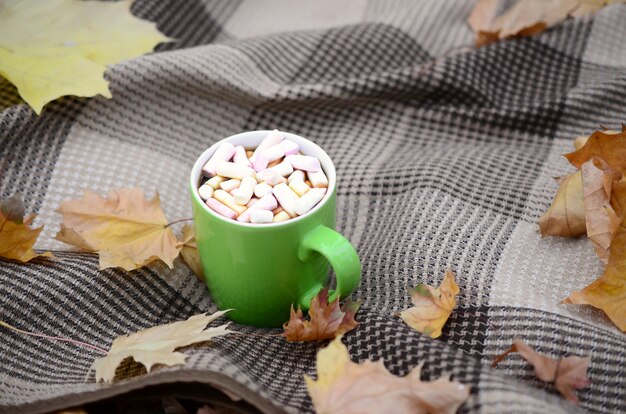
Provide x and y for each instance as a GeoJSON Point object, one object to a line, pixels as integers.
{"type": "Point", "coordinates": [610, 146]}
{"type": "Point", "coordinates": [125, 229]}
{"type": "Point", "coordinates": [432, 306]}
{"type": "Point", "coordinates": [327, 320]}
{"type": "Point", "coordinates": [526, 17]}
{"type": "Point", "coordinates": [17, 238]}
{"type": "Point", "coordinates": [189, 251]}
{"type": "Point", "coordinates": [156, 345]}
{"type": "Point", "coordinates": [343, 386]}
{"type": "Point", "coordinates": [566, 215]}
{"type": "Point", "coordinates": [608, 293]}
{"type": "Point", "coordinates": [568, 374]}
{"type": "Point", "coordinates": [47, 49]}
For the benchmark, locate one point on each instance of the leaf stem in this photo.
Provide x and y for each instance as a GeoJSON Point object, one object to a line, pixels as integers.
{"type": "Point", "coordinates": [178, 221]}
{"type": "Point", "coordinates": [55, 338]}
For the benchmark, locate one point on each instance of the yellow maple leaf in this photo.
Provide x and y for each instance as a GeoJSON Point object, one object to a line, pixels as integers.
{"type": "Point", "coordinates": [156, 345]}
{"type": "Point", "coordinates": [343, 386]}
{"type": "Point", "coordinates": [53, 48]}
{"type": "Point", "coordinates": [17, 238]}
{"type": "Point", "coordinates": [189, 251]}
{"type": "Point", "coordinates": [566, 215]}
{"type": "Point", "coordinates": [125, 229]}
{"type": "Point", "coordinates": [433, 306]}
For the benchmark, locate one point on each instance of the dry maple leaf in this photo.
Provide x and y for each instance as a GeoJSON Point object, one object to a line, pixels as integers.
{"type": "Point", "coordinates": [608, 293]}
{"type": "Point", "coordinates": [125, 229]}
{"type": "Point", "coordinates": [566, 215]}
{"type": "Point", "coordinates": [17, 238]}
{"type": "Point", "coordinates": [567, 374]}
{"type": "Point", "coordinates": [343, 386]}
{"type": "Point", "coordinates": [156, 345]}
{"type": "Point", "coordinates": [526, 17]}
{"type": "Point", "coordinates": [189, 251]}
{"type": "Point", "coordinates": [432, 306]}
{"type": "Point", "coordinates": [54, 48]}
{"type": "Point", "coordinates": [327, 320]}
{"type": "Point", "coordinates": [610, 146]}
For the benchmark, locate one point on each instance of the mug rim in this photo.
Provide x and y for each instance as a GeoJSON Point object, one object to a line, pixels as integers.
{"type": "Point", "coordinates": [326, 162]}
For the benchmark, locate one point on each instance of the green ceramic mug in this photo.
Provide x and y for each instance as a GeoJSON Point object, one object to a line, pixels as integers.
{"type": "Point", "coordinates": [260, 270]}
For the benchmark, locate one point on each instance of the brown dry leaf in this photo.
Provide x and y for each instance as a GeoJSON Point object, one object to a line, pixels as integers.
{"type": "Point", "coordinates": [17, 238]}
{"type": "Point", "coordinates": [327, 320]}
{"type": "Point", "coordinates": [125, 229]}
{"type": "Point", "coordinates": [156, 345]}
{"type": "Point", "coordinates": [526, 17]}
{"type": "Point", "coordinates": [433, 306]}
{"type": "Point", "coordinates": [601, 221]}
{"type": "Point", "coordinates": [343, 386]}
{"type": "Point", "coordinates": [609, 291]}
{"type": "Point", "coordinates": [610, 146]}
{"type": "Point", "coordinates": [189, 251]}
{"type": "Point", "coordinates": [566, 215]}
{"type": "Point", "coordinates": [567, 374]}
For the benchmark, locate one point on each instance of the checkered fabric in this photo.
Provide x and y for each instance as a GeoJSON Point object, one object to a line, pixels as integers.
{"type": "Point", "coordinates": [443, 160]}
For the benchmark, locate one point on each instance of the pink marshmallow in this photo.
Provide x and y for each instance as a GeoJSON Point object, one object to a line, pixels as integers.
{"type": "Point", "coordinates": [290, 147]}
{"type": "Point", "coordinates": [220, 208]}
{"type": "Point", "coordinates": [260, 162]}
{"type": "Point", "coordinates": [272, 138]}
{"type": "Point", "coordinates": [223, 153]}
{"type": "Point", "coordinates": [304, 162]}
{"type": "Point", "coordinates": [267, 202]}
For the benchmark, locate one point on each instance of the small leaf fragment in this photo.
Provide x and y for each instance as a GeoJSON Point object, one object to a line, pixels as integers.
{"type": "Point", "coordinates": [17, 238]}
{"type": "Point", "coordinates": [566, 215]}
{"type": "Point", "coordinates": [125, 229]}
{"type": "Point", "coordinates": [189, 251]}
{"type": "Point", "coordinates": [156, 345]}
{"type": "Point", "coordinates": [327, 320]}
{"type": "Point", "coordinates": [568, 374]}
{"type": "Point", "coordinates": [343, 386]}
{"type": "Point", "coordinates": [432, 306]}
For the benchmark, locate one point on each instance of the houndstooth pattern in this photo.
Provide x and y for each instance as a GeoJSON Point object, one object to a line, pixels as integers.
{"type": "Point", "coordinates": [443, 160]}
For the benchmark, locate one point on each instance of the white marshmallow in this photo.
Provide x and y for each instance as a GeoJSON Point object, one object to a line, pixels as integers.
{"type": "Point", "coordinates": [205, 191]}
{"type": "Point", "coordinates": [296, 175]}
{"type": "Point", "coordinates": [215, 182]}
{"type": "Point", "coordinates": [284, 168]}
{"type": "Point", "coordinates": [305, 203]}
{"type": "Point", "coordinates": [223, 153]}
{"type": "Point", "coordinates": [304, 162]}
{"type": "Point", "coordinates": [261, 189]}
{"type": "Point", "coordinates": [290, 147]}
{"type": "Point", "coordinates": [282, 216]}
{"type": "Point", "coordinates": [273, 153]}
{"type": "Point", "coordinates": [230, 185]}
{"type": "Point", "coordinates": [270, 177]}
{"type": "Point", "coordinates": [261, 216]}
{"type": "Point", "coordinates": [243, 194]}
{"type": "Point", "coordinates": [228, 200]}
{"type": "Point", "coordinates": [267, 202]}
{"type": "Point", "coordinates": [272, 138]}
{"type": "Point", "coordinates": [318, 179]}
{"type": "Point", "coordinates": [286, 197]}
{"type": "Point", "coordinates": [241, 157]}
{"type": "Point", "coordinates": [232, 170]}
{"type": "Point", "coordinates": [299, 187]}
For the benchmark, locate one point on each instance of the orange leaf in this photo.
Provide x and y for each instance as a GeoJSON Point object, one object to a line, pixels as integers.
{"type": "Point", "coordinates": [610, 146]}
{"type": "Point", "coordinates": [189, 251]}
{"type": "Point", "coordinates": [327, 320]}
{"type": "Point", "coordinates": [609, 291]}
{"type": "Point", "coordinates": [567, 374]}
{"type": "Point", "coordinates": [348, 388]}
{"type": "Point", "coordinates": [566, 215]}
{"type": "Point", "coordinates": [433, 306]}
{"type": "Point", "coordinates": [17, 238]}
{"type": "Point", "coordinates": [125, 229]}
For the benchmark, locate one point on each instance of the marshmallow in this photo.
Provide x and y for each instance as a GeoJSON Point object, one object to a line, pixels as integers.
{"type": "Point", "coordinates": [261, 216]}
{"type": "Point", "coordinates": [215, 182]}
{"type": "Point", "coordinates": [273, 153]}
{"type": "Point", "coordinates": [318, 179]}
{"type": "Point", "coordinates": [230, 185]}
{"type": "Point", "coordinates": [284, 168]}
{"type": "Point", "coordinates": [252, 201]}
{"type": "Point", "coordinates": [290, 147]}
{"type": "Point", "coordinates": [267, 202]}
{"type": "Point", "coordinates": [241, 157]}
{"type": "Point", "coordinates": [261, 189]}
{"type": "Point", "coordinates": [282, 216]}
{"type": "Point", "coordinates": [243, 194]}
{"type": "Point", "coordinates": [305, 203]}
{"type": "Point", "coordinates": [272, 138]}
{"type": "Point", "coordinates": [232, 170]}
{"type": "Point", "coordinates": [299, 187]}
{"type": "Point", "coordinates": [223, 153]}
{"type": "Point", "coordinates": [228, 200]}
{"type": "Point", "coordinates": [297, 174]}
{"type": "Point", "coordinates": [270, 177]}
{"type": "Point", "coordinates": [220, 208]}
{"type": "Point", "coordinates": [274, 163]}
{"type": "Point", "coordinates": [286, 197]}
{"type": "Point", "coordinates": [304, 162]}
{"type": "Point", "coordinates": [205, 191]}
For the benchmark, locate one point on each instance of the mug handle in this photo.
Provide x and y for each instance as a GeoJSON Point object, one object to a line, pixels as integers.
{"type": "Point", "coordinates": [342, 257]}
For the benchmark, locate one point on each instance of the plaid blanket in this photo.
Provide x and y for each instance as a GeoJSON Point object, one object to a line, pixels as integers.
{"type": "Point", "coordinates": [443, 160]}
